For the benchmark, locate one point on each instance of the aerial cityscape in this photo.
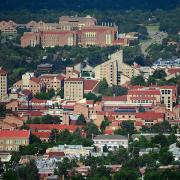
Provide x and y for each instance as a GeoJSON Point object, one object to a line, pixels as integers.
{"type": "Point", "coordinates": [90, 90]}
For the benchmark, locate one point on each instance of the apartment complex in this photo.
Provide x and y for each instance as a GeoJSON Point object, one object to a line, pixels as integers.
{"type": "Point", "coordinates": [11, 140]}
{"type": "Point", "coordinates": [74, 89]}
{"type": "Point", "coordinates": [3, 83]}
{"type": "Point", "coordinates": [70, 31]}
{"type": "Point", "coordinates": [115, 71]}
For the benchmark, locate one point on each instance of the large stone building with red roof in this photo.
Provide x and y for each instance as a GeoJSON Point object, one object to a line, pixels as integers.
{"type": "Point", "coordinates": [153, 94]}
{"type": "Point", "coordinates": [11, 140]}
{"type": "Point", "coordinates": [70, 31]}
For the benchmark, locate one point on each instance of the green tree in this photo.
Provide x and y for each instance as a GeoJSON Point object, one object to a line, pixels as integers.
{"type": "Point", "coordinates": [104, 124]}
{"type": "Point", "coordinates": [165, 157]}
{"type": "Point", "coordinates": [103, 85]}
{"type": "Point", "coordinates": [53, 136]}
{"type": "Point", "coordinates": [61, 93]}
{"type": "Point", "coordinates": [91, 96]}
{"type": "Point", "coordinates": [81, 120]}
{"type": "Point", "coordinates": [91, 129]}
{"type": "Point", "coordinates": [138, 80]}
{"type": "Point", "coordinates": [159, 74]}
{"type": "Point", "coordinates": [29, 172]}
{"type": "Point", "coordinates": [160, 139]}
{"type": "Point", "coordinates": [10, 175]}
{"type": "Point", "coordinates": [126, 174]}
{"type": "Point", "coordinates": [2, 110]}
{"type": "Point", "coordinates": [127, 127]}
{"type": "Point", "coordinates": [64, 166]}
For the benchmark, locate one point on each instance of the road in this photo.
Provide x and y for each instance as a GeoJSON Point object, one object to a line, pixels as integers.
{"type": "Point", "coordinates": [155, 37]}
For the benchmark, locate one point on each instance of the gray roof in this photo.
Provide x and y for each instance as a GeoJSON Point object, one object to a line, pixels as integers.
{"type": "Point", "coordinates": [110, 137]}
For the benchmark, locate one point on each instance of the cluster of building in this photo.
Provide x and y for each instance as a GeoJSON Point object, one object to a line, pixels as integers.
{"type": "Point", "coordinates": [71, 31]}
{"type": "Point", "coordinates": [145, 106]}
{"type": "Point", "coordinates": [158, 102]}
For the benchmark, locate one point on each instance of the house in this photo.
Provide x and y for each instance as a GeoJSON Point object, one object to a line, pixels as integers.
{"type": "Point", "coordinates": [175, 151]}
{"type": "Point", "coordinates": [147, 151]}
{"type": "Point", "coordinates": [112, 142]}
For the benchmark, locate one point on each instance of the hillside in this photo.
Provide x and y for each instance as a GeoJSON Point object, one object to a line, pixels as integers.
{"type": "Point", "coordinates": [77, 5]}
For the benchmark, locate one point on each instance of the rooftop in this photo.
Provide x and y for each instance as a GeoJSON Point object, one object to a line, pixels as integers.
{"type": "Point", "coordinates": [14, 134]}
{"type": "Point", "coordinates": [110, 137]}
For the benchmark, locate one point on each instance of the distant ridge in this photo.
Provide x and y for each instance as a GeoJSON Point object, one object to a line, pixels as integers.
{"type": "Point", "coordinates": [78, 5]}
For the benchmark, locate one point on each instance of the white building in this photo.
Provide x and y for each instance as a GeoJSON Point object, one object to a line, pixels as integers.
{"type": "Point", "coordinates": [71, 151]}
{"type": "Point", "coordinates": [112, 142]}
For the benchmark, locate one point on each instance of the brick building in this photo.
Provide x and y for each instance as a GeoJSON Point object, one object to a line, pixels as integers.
{"type": "Point", "coordinates": [53, 81]}
{"type": "Point", "coordinates": [70, 31]}
{"type": "Point", "coordinates": [166, 95]}
{"type": "Point", "coordinates": [58, 38]}
{"type": "Point", "coordinates": [96, 36]}
{"type": "Point", "coordinates": [30, 39]}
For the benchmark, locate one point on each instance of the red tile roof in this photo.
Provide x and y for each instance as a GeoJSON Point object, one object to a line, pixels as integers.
{"type": "Point", "coordinates": [174, 70]}
{"type": "Point", "coordinates": [56, 32]}
{"type": "Point", "coordinates": [150, 115]}
{"type": "Point", "coordinates": [76, 72]}
{"type": "Point", "coordinates": [35, 113]}
{"type": "Point", "coordinates": [90, 84]}
{"type": "Point", "coordinates": [74, 79]}
{"type": "Point", "coordinates": [89, 102]}
{"type": "Point", "coordinates": [143, 92]}
{"type": "Point", "coordinates": [35, 100]}
{"type": "Point", "coordinates": [167, 87]}
{"type": "Point", "coordinates": [55, 154]}
{"type": "Point", "coordinates": [42, 135]}
{"type": "Point", "coordinates": [138, 123]}
{"type": "Point", "coordinates": [136, 87]}
{"type": "Point", "coordinates": [36, 80]}
{"type": "Point", "coordinates": [14, 134]}
{"type": "Point", "coordinates": [114, 98]}
{"type": "Point", "coordinates": [3, 72]}
{"type": "Point", "coordinates": [108, 132]}
{"type": "Point", "coordinates": [119, 41]}
{"type": "Point", "coordinates": [49, 127]}
{"type": "Point", "coordinates": [26, 92]}
{"type": "Point", "coordinates": [143, 98]}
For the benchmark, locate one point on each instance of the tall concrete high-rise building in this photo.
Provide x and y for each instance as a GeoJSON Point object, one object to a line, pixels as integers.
{"type": "Point", "coordinates": [115, 71]}
{"type": "Point", "coordinates": [110, 69]}
{"type": "Point", "coordinates": [3, 83]}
